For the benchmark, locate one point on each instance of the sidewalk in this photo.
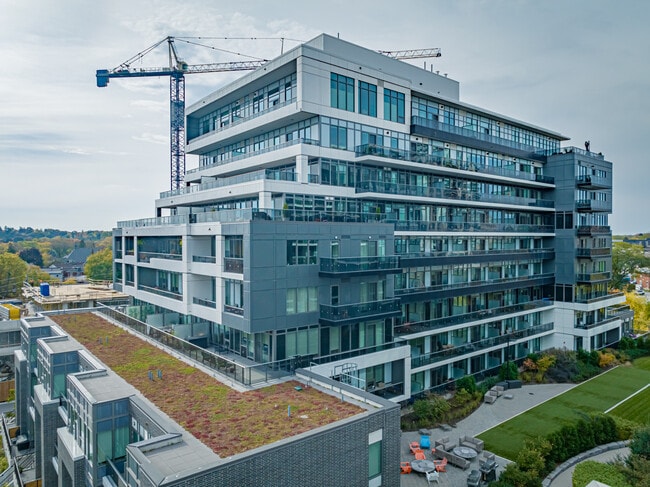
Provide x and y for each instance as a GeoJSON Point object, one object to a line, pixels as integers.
{"type": "Point", "coordinates": [485, 417]}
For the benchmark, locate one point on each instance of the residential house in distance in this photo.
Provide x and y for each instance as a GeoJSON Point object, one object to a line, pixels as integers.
{"type": "Point", "coordinates": [73, 264]}
{"type": "Point", "coordinates": [349, 211]}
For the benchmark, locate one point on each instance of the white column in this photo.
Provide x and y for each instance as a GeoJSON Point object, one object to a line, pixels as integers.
{"type": "Point", "coordinates": [302, 169]}
{"type": "Point", "coordinates": [265, 200]}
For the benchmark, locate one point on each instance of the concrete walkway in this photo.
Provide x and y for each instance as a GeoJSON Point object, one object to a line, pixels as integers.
{"type": "Point", "coordinates": [485, 417]}
{"type": "Point", "coordinates": [566, 477]}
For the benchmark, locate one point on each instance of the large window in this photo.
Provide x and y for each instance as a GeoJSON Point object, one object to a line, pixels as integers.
{"type": "Point", "coordinates": [302, 300]}
{"type": "Point", "coordinates": [393, 106]}
{"type": "Point", "coordinates": [234, 294]}
{"type": "Point", "coordinates": [367, 99]}
{"type": "Point", "coordinates": [374, 459]}
{"type": "Point", "coordinates": [234, 246]}
{"type": "Point", "coordinates": [342, 92]}
{"type": "Point", "coordinates": [301, 252]}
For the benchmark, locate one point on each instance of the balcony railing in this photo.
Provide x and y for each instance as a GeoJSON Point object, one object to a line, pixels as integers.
{"type": "Point", "coordinates": [204, 259]}
{"type": "Point", "coordinates": [233, 309]}
{"type": "Point", "coordinates": [350, 312]}
{"type": "Point", "coordinates": [473, 134]}
{"type": "Point", "coordinates": [569, 150]}
{"type": "Point", "coordinates": [470, 285]}
{"type": "Point", "coordinates": [506, 253]}
{"type": "Point", "coordinates": [161, 292]}
{"type": "Point", "coordinates": [588, 298]}
{"type": "Point", "coordinates": [602, 252]}
{"type": "Point", "coordinates": [484, 314]}
{"type": "Point", "coordinates": [246, 155]}
{"type": "Point", "coordinates": [359, 265]}
{"type": "Point", "coordinates": [147, 256]}
{"type": "Point", "coordinates": [448, 193]}
{"type": "Point", "coordinates": [424, 226]}
{"type": "Point", "coordinates": [455, 351]}
{"type": "Point", "coordinates": [234, 265]}
{"type": "Point", "coordinates": [593, 182]}
{"type": "Point", "coordinates": [593, 230]}
{"type": "Point", "coordinates": [594, 276]}
{"type": "Point", "coordinates": [205, 302]}
{"type": "Point", "coordinates": [437, 160]}
{"type": "Point", "coordinates": [594, 205]}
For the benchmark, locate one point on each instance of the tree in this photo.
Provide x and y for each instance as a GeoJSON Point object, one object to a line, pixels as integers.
{"type": "Point", "coordinates": [12, 274]}
{"type": "Point", "coordinates": [32, 256]}
{"type": "Point", "coordinates": [626, 259]}
{"type": "Point", "coordinates": [99, 266]}
{"type": "Point", "coordinates": [35, 276]}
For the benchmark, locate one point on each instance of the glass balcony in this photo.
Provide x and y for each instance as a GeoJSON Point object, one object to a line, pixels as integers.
{"type": "Point", "coordinates": [231, 264]}
{"type": "Point", "coordinates": [454, 351]}
{"type": "Point", "coordinates": [594, 205]}
{"type": "Point", "coordinates": [593, 297]}
{"type": "Point", "coordinates": [571, 149]}
{"type": "Point", "coordinates": [360, 311]}
{"type": "Point", "coordinates": [437, 160]}
{"type": "Point", "coordinates": [359, 265]}
{"type": "Point", "coordinates": [426, 258]}
{"type": "Point", "coordinates": [425, 226]}
{"type": "Point", "coordinates": [147, 256]}
{"type": "Point", "coordinates": [594, 277]}
{"type": "Point", "coordinates": [233, 309]}
{"type": "Point", "coordinates": [438, 323]}
{"type": "Point", "coordinates": [593, 182]}
{"type": "Point", "coordinates": [471, 286]}
{"type": "Point", "coordinates": [205, 259]}
{"type": "Point", "coordinates": [205, 302]}
{"type": "Point", "coordinates": [161, 292]}
{"type": "Point", "coordinates": [448, 193]}
{"type": "Point", "coordinates": [589, 253]}
{"type": "Point", "coordinates": [593, 230]}
{"type": "Point", "coordinates": [612, 314]}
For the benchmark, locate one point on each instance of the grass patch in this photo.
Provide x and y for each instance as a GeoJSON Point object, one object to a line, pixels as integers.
{"type": "Point", "coordinates": [635, 408]}
{"type": "Point", "coordinates": [594, 396]}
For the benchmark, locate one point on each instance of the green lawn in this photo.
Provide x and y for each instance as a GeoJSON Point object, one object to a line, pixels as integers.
{"type": "Point", "coordinates": [594, 396]}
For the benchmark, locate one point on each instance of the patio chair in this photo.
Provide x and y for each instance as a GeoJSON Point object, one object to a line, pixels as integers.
{"type": "Point", "coordinates": [414, 446]}
{"type": "Point", "coordinates": [441, 465]}
{"type": "Point", "coordinates": [419, 455]}
{"type": "Point", "coordinates": [405, 467]}
{"type": "Point", "coordinates": [432, 476]}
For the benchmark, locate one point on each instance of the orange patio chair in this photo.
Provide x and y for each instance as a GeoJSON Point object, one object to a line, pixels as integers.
{"type": "Point", "coordinates": [419, 455]}
{"type": "Point", "coordinates": [414, 446]}
{"type": "Point", "coordinates": [405, 467]}
{"type": "Point", "coordinates": [441, 465]}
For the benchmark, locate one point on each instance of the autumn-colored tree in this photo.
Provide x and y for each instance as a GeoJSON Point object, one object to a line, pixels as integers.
{"type": "Point", "coordinates": [99, 266]}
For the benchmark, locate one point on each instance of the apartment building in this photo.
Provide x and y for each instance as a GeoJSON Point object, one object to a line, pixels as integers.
{"type": "Point", "coordinates": [350, 212]}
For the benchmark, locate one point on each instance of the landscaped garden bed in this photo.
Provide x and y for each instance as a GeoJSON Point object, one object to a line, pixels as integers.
{"type": "Point", "coordinates": [227, 421]}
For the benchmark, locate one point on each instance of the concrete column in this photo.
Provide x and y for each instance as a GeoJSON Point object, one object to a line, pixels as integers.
{"type": "Point", "coordinates": [265, 200]}
{"type": "Point", "coordinates": [302, 169]}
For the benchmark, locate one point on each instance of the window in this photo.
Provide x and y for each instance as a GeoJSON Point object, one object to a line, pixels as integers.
{"type": "Point", "coordinates": [367, 99]}
{"type": "Point", "coordinates": [302, 252]}
{"type": "Point", "coordinates": [342, 92]}
{"type": "Point", "coordinates": [338, 137]}
{"type": "Point", "coordinates": [374, 459]}
{"type": "Point", "coordinates": [302, 300]}
{"type": "Point", "coordinates": [234, 293]}
{"type": "Point", "coordinates": [234, 246]}
{"type": "Point", "coordinates": [393, 106]}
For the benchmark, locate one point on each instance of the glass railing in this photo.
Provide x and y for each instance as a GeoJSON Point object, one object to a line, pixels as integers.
{"type": "Point", "coordinates": [593, 276]}
{"type": "Point", "coordinates": [232, 264]}
{"type": "Point", "coordinates": [484, 314]}
{"type": "Point", "coordinates": [359, 310]}
{"type": "Point", "coordinates": [161, 292]}
{"type": "Point", "coordinates": [448, 193]}
{"type": "Point", "coordinates": [247, 214]}
{"type": "Point", "coordinates": [454, 351]}
{"type": "Point", "coordinates": [344, 265]}
{"type": "Point", "coordinates": [236, 310]}
{"type": "Point", "coordinates": [569, 150]}
{"type": "Point", "coordinates": [595, 181]}
{"type": "Point", "coordinates": [437, 160]}
{"type": "Point", "coordinates": [474, 134]}
{"type": "Point", "coordinates": [147, 256]}
{"type": "Point", "coordinates": [602, 252]}
{"type": "Point", "coordinates": [241, 120]}
{"type": "Point", "coordinates": [593, 229]}
{"type": "Point", "coordinates": [246, 155]}
{"type": "Point", "coordinates": [205, 259]}
{"type": "Point", "coordinates": [470, 285]}
{"type": "Point", "coordinates": [594, 205]}
{"type": "Point", "coordinates": [531, 253]}
{"type": "Point", "coordinates": [205, 302]}
{"type": "Point", "coordinates": [595, 297]}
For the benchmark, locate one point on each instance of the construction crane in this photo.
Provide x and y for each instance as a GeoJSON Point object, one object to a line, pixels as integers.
{"type": "Point", "coordinates": [177, 70]}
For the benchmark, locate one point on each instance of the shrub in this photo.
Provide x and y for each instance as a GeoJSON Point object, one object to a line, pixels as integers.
{"type": "Point", "coordinates": [590, 470]}
{"type": "Point", "coordinates": [640, 443]}
{"type": "Point", "coordinates": [468, 383]}
{"type": "Point", "coordinates": [606, 359]}
{"type": "Point", "coordinates": [508, 371]}
{"type": "Point", "coordinates": [624, 428]}
{"type": "Point", "coordinates": [488, 383]}
{"type": "Point", "coordinates": [430, 410]}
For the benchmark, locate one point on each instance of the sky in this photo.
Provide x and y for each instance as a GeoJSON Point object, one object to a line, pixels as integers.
{"type": "Point", "coordinates": [77, 157]}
